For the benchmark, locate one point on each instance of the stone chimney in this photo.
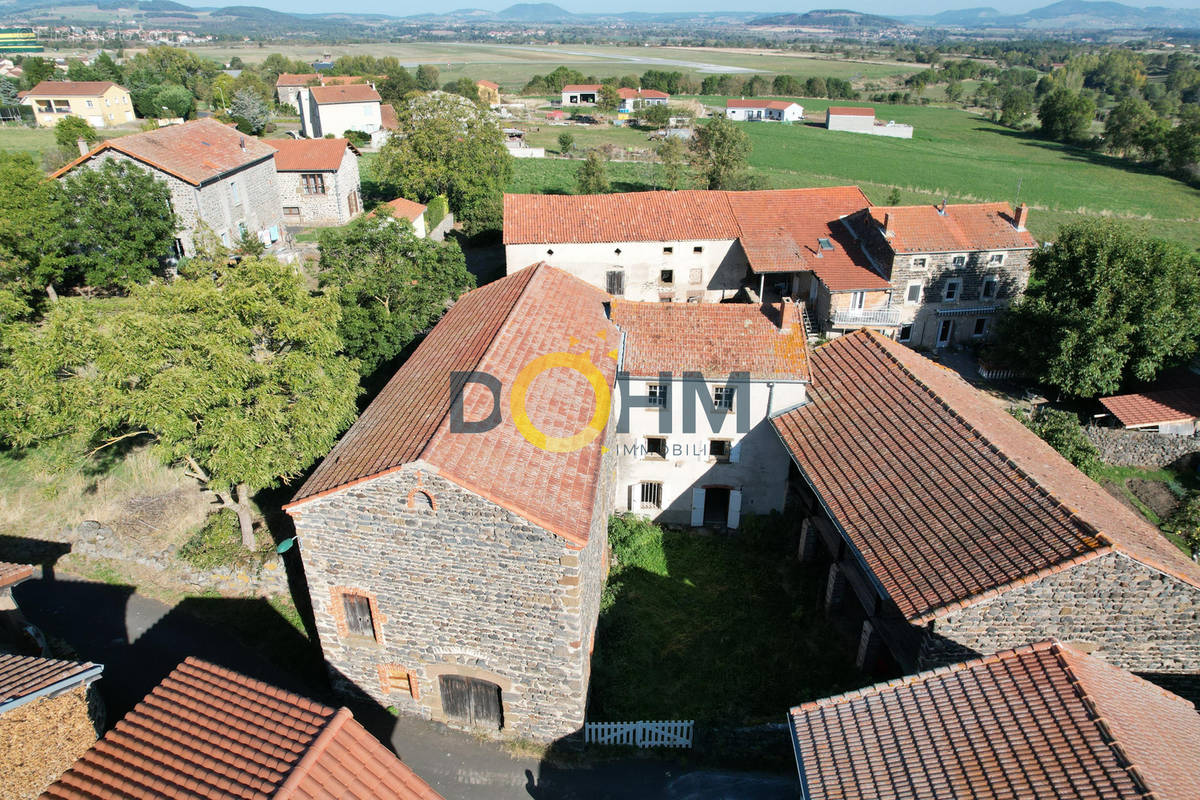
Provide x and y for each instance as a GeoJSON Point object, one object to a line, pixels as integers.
{"type": "Point", "coordinates": [1021, 217]}
{"type": "Point", "coordinates": [83, 146]}
{"type": "Point", "coordinates": [887, 225]}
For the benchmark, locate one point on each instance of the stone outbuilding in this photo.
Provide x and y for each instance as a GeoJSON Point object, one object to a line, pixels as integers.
{"type": "Point", "coordinates": [455, 539]}
{"type": "Point", "coordinates": [318, 180]}
{"type": "Point", "coordinates": [952, 531]}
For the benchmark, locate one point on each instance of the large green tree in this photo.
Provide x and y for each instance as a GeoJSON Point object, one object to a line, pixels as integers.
{"type": "Point", "coordinates": [391, 284]}
{"type": "Point", "coordinates": [720, 151]}
{"type": "Point", "coordinates": [1106, 304]}
{"type": "Point", "coordinates": [232, 370]}
{"type": "Point", "coordinates": [69, 130]}
{"type": "Point", "coordinates": [30, 237]}
{"type": "Point", "coordinates": [445, 144]}
{"type": "Point", "coordinates": [250, 111]}
{"type": "Point", "coordinates": [1065, 115]}
{"type": "Point", "coordinates": [118, 223]}
{"type": "Point", "coordinates": [590, 177]}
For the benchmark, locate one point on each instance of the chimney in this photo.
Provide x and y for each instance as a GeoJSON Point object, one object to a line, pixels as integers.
{"type": "Point", "coordinates": [789, 315]}
{"type": "Point", "coordinates": [82, 144]}
{"type": "Point", "coordinates": [1021, 217]}
{"type": "Point", "coordinates": [242, 143]}
{"type": "Point", "coordinates": [941, 207]}
{"type": "Point", "coordinates": [887, 225]}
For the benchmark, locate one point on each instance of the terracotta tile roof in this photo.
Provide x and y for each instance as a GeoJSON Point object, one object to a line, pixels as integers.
{"type": "Point", "coordinates": [23, 678]}
{"type": "Point", "coordinates": [581, 87]}
{"type": "Point", "coordinates": [291, 79]}
{"type": "Point", "coordinates": [946, 498]}
{"type": "Point", "coordinates": [342, 80]}
{"type": "Point", "coordinates": [779, 105]}
{"type": "Point", "coordinates": [310, 155]}
{"type": "Point", "coordinates": [1040, 721]}
{"type": "Point", "coordinates": [70, 89]}
{"type": "Point", "coordinates": [964, 227]}
{"type": "Point", "coordinates": [207, 733]}
{"type": "Point", "coordinates": [498, 329]}
{"type": "Point", "coordinates": [1154, 407]}
{"type": "Point", "coordinates": [387, 117]}
{"type": "Point", "coordinates": [12, 574]}
{"type": "Point", "coordinates": [780, 230]}
{"type": "Point", "coordinates": [713, 339]}
{"type": "Point", "coordinates": [196, 152]}
{"type": "Point", "coordinates": [849, 111]}
{"type": "Point", "coordinates": [488, 84]}
{"type": "Point", "coordinates": [405, 209]}
{"type": "Point", "coordinates": [352, 93]}
{"type": "Point", "coordinates": [646, 94]}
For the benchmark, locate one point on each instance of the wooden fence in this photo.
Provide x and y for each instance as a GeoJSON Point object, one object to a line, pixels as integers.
{"type": "Point", "coordinates": [663, 733]}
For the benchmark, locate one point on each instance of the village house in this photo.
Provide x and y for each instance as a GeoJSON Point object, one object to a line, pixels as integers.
{"type": "Point", "coordinates": [694, 445]}
{"type": "Point", "coordinates": [102, 103]}
{"type": "Point", "coordinates": [578, 94]}
{"type": "Point", "coordinates": [862, 120]}
{"type": "Point", "coordinates": [752, 110]}
{"type": "Point", "coordinates": [414, 212]}
{"type": "Point", "coordinates": [288, 86]}
{"type": "Point", "coordinates": [1043, 720]}
{"type": "Point", "coordinates": [341, 108]}
{"type": "Point", "coordinates": [952, 530]}
{"type": "Point", "coordinates": [218, 177]}
{"type": "Point", "coordinates": [636, 99]}
{"type": "Point", "coordinates": [318, 180]}
{"type": "Point", "coordinates": [489, 93]}
{"type": "Point", "coordinates": [455, 539]}
{"type": "Point", "coordinates": [208, 732]}
{"type": "Point", "coordinates": [951, 268]}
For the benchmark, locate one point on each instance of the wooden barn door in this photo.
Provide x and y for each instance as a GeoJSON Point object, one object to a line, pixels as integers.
{"type": "Point", "coordinates": [471, 700]}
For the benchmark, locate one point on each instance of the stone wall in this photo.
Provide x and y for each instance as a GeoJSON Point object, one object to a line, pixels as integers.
{"type": "Point", "coordinates": [330, 208]}
{"type": "Point", "coordinates": [1140, 448]}
{"type": "Point", "coordinates": [460, 586]}
{"type": "Point", "coordinates": [1129, 614]}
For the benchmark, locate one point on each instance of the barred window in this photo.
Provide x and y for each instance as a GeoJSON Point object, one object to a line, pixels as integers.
{"type": "Point", "coordinates": [651, 495]}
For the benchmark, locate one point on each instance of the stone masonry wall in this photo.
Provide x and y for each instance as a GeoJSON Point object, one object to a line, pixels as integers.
{"type": "Point", "coordinates": [331, 208]}
{"type": "Point", "coordinates": [1140, 448]}
{"type": "Point", "coordinates": [1129, 614]}
{"type": "Point", "coordinates": [459, 586]}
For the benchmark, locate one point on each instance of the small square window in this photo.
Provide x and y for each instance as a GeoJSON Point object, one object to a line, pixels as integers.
{"type": "Point", "coordinates": [358, 615]}
{"type": "Point", "coordinates": [656, 447]}
{"type": "Point", "coordinates": [905, 333]}
{"type": "Point", "coordinates": [996, 259]}
{"type": "Point", "coordinates": [666, 276]}
{"type": "Point", "coordinates": [919, 263]}
{"type": "Point", "coordinates": [291, 211]}
{"type": "Point", "coordinates": [656, 393]}
{"type": "Point", "coordinates": [697, 249]}
{"type": "Point", "coordinates": [913, 295]}
{"type": "Point", "coordinates": [668, 251]}
{"type": "Point", "coordinates": [651, 495]}
{"type": "Point", "coordinates": [959, 261]}
{"type": "Point", "coordinates": [723, 398]}
{"type": "Point", "coordinates": [720, 449]}
{"type": "Point", "coordinates": [614, 282]}
{"type": "Point", "coordinates": [980, 327]}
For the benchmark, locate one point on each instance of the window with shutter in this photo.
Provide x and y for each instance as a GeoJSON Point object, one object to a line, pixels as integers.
{"type": "Point", "coordinates": [358, 615]}
{"type": "Point", "coordinates": [614, 283]}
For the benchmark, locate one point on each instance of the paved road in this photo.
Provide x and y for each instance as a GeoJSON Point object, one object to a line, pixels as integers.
{"type": "Point", "coordinates": [140, 640]}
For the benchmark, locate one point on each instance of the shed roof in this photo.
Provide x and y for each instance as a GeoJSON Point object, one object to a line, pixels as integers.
{"type": "Point", "coordinates": [25, 678]}
{"type": "Point", "coordinates": [849, 111]}
{"type": "Point", "coordinates": [1155, 407]}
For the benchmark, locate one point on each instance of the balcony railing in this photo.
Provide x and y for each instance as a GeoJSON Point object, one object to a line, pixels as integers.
{"type": "Point", "coordinates": [871, 318]}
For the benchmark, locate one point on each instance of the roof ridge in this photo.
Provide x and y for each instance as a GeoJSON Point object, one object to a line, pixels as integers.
{"type": "Point", "coordinates": [314, 753]}
{"type": "Point", "coordinates": [925, 675]}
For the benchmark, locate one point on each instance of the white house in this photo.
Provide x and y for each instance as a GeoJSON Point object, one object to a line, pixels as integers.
{"type": "Point", "coordinates": [575, 94]}
{"type": "Point", "coordinates": [634, 99]}
{"type": "Point", "coordinates": [743, 110]}
{"type": "Point", "coordinates": [337, 109]}
{"type": "Point", "coordinates": [862, 120]}
{"type": "Point", "coordinates": [698, 384]}
{"type": "Point", "coordinates": [414, 212]}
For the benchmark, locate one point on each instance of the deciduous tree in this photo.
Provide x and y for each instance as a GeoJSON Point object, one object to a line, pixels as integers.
{"type": "Point", "coordinates": [69, 130]}
{"type": "Point", "coordinates": [590, 177]}
{"type": "Point", "coordinates": [720, 150]}
{"type": "Point", "coordinates": [673, 158]}
{"type": "Point", "coordinates": [250, 111]}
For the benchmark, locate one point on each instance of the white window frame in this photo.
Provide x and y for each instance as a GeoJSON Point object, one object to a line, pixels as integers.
{"type": "Point", "coordinates": [908, 298]}
{"type": "Point", "coordinates": [958, 260]}
{"type": "Point", "coordinates": [996, 259]}
{"type": "Point", "coordinates": [948, 325]}
{"type": "Point", "coordinates": [900, 337]}
{"type": "Point", "coordinates": [858, 300]}
{"type": "Point", "coordinates": [653, 489]}
{"type": "Point", "coordinates": [957, 284]}
{"type": "Point", "coordinates": [920, 262]}
{"type": "Point", "coordinates": [975, 332]}
{"type": "Point", "coordinates": [994, 281]}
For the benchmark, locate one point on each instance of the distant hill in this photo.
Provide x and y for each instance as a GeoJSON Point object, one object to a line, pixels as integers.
{"type": "Point", "coordinates": [535, 12]}
{"type": "Point", "coordinates": [842, 19]}
{"type": "Point", "coordinates": [1067, 16]}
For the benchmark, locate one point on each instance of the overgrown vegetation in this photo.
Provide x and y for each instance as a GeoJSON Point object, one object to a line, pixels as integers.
{"type": "Point", "coordinates": [218, 543]}
{"type": "Point", "coordinates": [1062, 431]}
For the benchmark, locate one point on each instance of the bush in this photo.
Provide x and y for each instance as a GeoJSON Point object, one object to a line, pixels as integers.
{"type": "Point", "coordinates": [217, 544]}
{"type": "Point", "coordinates": [357, 138]}
{"type": "Point", "coordinates": [1061, 430]}
{"type": "Point", "coordinates": [1185, 523]}
{"type": "Point", "coordinates": [435, 211]}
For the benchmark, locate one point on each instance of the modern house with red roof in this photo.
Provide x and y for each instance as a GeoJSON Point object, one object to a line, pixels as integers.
{"type": "Point", "coordinates": [218, 177]}
{"type": "Point", "coordinates": [951, 530]}
{"type": "Point", "coordinates": [755, 110]}
{"type": "Point", "coordinates": [339, 108]}
{"type": "Point", "coordinates": [318, 180]}
{"type": "Point", "coordinates": [454, 540]}
{"type": "Point", "coordinates": [103, 104]}
{"type": "Point", "coordinates": [1044, 720]}
{"type": "Point", "coordinates": [635, 99]}
{"type": "Point", "coordinates": [208, 733]}
{"type": "Point", "coordinates": [694, 443]}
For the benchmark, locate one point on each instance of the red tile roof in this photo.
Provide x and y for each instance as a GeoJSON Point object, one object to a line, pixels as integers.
{"type": "Point", "coordinates": [779, 105]}
{"type": "Point", "coordinates": [207, 733]}
{"type": "Point", "coordinates": [488, 84]}
{"type": "Point", "coordinates": [946, 498]}
{"type": "Point", "coordinates": [342, 80]}
{"type": "Point", "coordinates": [352, 93]}
{"type": "Point", "coordinates": [1154, 407]}
{"type": "Point", "coordinates": [12, 574]}
{"type": "Point", "coordinates": [387, 117]}
{"type": "Point", "coordinates": [964, 227]}
{"type": "Point", "coordinates": [849, 111]}
{"type": "Point", "coordinates": [499, 329]}
{"type": "Point", "coordinates": [196, 152]}
{"type": "Point", "coordinates": [405, 209]}
{"type": "Point", "coordinates": [70, 89]}
{"type": "Point", "coordinates": [780, 230]}
{"type": "Point", "coordinates": [310, 155]}
{"type": "Point", "coordinates": [713, 339]}
{"type": "Point", "coordinates": [581, 87]}
{"type": "Point", "coordinates": [290, 79]}
{"type": "Point", "coordinates": [1041, 721]}
{"type": "Point", "coordinates": [23, 677]}
{"type": "Point", "coordinates": [646, 94]}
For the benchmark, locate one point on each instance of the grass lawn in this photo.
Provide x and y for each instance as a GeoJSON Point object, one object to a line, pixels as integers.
{"type": "Point", "coordinates": [718, 629]}
{"type": "Point", "coordinates": [22, 139]}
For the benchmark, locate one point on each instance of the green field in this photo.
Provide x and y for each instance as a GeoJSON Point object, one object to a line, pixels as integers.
{"type": "Point", "coordinates": [20, 139]}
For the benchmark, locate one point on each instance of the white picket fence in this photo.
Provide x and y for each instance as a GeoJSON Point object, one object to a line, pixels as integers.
{"type": "Point", "coordinates": [663, 733]}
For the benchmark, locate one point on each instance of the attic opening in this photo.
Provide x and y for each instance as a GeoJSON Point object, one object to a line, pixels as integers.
{"type": "Point", "coordinates": [824, 243]}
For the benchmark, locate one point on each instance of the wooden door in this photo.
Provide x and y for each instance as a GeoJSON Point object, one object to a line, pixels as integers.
{"type": "Point", "coordinates": [471, 700]}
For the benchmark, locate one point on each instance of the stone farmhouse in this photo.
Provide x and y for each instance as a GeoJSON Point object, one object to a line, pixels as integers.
{"type": "Point", "coordinates": [209, 732]}
{"type": "Point", "coordinates": [318, 180]}
{"type": "Point", "coordinates": [218, 177]}
{"type": "Point", "coordinates": [1044, 720]}
{"type": "Point", "coordinates": [489, 93]}
{"type": "Point", "coordinates": [952, 530]}
{"type": "Point", "coordinates": [929, 276]}
{"type": "Point", "coordinates": [455, 539]}
{"type": "Point", "coordinates": [288, 86]}
{"type": "Point", "coordinates": [726, 366]}
{"type": "Point", "coordinates": [753, 110]}
{"type": "Point", "coordinates": [862, 120]}
{"type": "Point", "coordinates": [337, 109]}
{"type": "Point", "coordinates": [102, 103]}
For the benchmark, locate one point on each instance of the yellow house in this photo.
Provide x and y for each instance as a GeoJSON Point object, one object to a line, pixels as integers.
{"type": "Point", "coordinates": [489, 92]}
{"type": "Point", "coordinates": [102, 103]}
